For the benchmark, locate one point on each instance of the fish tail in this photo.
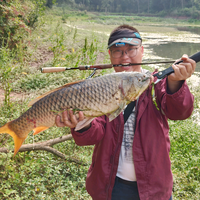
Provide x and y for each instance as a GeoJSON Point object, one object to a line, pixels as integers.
{"type": "Point", "coordinates": [17, 140]}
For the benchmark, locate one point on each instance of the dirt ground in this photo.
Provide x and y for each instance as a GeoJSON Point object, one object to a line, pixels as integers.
{"type": "Point", "coordinates": [13, 96]}
{"type": "Point", "coordinates": [43, 56]}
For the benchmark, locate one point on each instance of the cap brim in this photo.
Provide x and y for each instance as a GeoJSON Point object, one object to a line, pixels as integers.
{"type": "Point", "coordinates": [131, 41]}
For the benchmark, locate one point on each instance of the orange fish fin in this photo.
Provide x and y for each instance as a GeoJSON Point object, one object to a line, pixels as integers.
{"type": "Point", "coordinates": [49, 92]}
{"type": "Point", "coordinates": [17, 140]}
{"type": "Point", "coordinates": [39, 129]}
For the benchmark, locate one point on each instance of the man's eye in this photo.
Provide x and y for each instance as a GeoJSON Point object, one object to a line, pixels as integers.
{"type": "Point", "coordinates": [117, 51]}
{"type": "Point", "coordinates": [132, 49]}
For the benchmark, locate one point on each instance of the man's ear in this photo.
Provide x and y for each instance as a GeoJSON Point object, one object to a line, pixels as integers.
{"type": "Point", "coordinates": [109, 51]}
{"type": "Point", "coordinates": [142, 49]}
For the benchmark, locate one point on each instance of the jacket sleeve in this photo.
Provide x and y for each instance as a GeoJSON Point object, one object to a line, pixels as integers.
{"type": "Point", "coordinates": [177, 106]}
{"type": "Point", "coordinates": [93, 135]}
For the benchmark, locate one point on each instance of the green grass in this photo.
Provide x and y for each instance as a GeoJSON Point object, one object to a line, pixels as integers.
{"type": "Point", "coordinates": [185, 159]}
{"type": "Point", "coordinates": [41, 175]}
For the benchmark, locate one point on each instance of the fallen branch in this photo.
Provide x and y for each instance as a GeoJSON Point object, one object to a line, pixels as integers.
{"type": "Point", "coordinates": [46, 146]}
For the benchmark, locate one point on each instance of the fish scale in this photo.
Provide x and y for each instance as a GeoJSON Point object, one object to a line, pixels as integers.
{"type": "Point", "coordinates": [105, 95]}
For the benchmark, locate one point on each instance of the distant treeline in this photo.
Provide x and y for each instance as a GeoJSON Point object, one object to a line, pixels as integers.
{"type": "Point", "coordinates": [18, 17]}
{"type": "Point", "coordinates": [175, 8]}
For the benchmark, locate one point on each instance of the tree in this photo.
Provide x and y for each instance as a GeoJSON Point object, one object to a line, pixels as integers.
{"type": "Point", "coordinates": [106, 5]}
{"type": "Point", "coordinates": [156, 6]}
{"type": "Point", "coordinates": [138, 5]}
{"type": "Point", "coordinates": [182, 2]}
{"type": "Point", "coordinates": [135, 6]}
{"type": "Point", "coordinates": [49, 3]}
{"type": "Point", "coordinates": [148, 5]}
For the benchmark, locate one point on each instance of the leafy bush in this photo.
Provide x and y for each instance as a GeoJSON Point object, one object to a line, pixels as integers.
{"type": "Point", "coordinates": [16, 18]}
{"type": "Point", "coordinates": [162, 13]}
{"type": "Point", "coordinates": [186, 12]}
{"type": "Point", "coordinates": [196, 14]}
{"type": "Point", "coordinates": [13, 19]}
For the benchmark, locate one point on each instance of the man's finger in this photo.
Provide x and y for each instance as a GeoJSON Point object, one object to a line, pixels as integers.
{"type": "Point", "coordinates": [58, 121]}
{"type": "Point", "coordinates": [184, 57]}
{"type": "Point", "coordinates": [72, 117]}
{"type": "Point", "coordinates": [81, 116]}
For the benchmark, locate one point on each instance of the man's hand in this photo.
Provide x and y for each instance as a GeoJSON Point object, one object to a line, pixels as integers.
{"type": "Point", "coordinates": [182, 71]}
{"type": "Point", "coordinates": [69, 119]}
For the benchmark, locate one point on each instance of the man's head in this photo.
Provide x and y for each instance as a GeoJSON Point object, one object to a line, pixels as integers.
{"type": "Point", "coordinates": [125, 46]}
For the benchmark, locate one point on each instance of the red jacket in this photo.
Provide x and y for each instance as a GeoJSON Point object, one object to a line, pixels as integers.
{"type": "Point", "coordinates": [151, 145]}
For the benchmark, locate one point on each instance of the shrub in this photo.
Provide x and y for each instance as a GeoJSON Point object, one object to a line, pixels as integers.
{"type": "Point", "coordinates": [196, 14]}
{"type": "Point", "coordinates": [16, 18]}
{"type": "Point", "coordinates": [185, 12]}
{"type": "Point", "coordinates": [13, 18]}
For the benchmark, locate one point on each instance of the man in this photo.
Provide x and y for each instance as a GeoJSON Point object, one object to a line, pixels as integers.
{"type": "Point", "coordinates": [131, 160]}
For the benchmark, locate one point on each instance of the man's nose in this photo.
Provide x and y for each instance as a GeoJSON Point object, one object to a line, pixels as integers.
{"type": "Point", "coordinates": [124, 55]}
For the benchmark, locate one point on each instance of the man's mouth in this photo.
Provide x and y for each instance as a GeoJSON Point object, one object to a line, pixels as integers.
{"type": "Point", "coordinates": [125, 64]}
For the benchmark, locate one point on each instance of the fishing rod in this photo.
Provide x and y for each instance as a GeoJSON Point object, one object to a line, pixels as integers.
{"type": "Point", "coordinates": [98, 66]}
{"type": "Point", "coordinates": [160, 75]}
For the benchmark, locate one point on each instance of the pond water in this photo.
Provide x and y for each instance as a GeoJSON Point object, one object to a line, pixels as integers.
{"type": "Point", "coordinates": [192, 29]}
{"type": "Point", "coordinates": [175, 50]}
{"type": "Point", "coordinates": [171, 46]}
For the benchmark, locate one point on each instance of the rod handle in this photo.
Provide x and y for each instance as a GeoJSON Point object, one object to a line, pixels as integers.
{"type": "Point", "coordinates": [168, 71]}
{"type": "Point", "coordinates": [52, 69]}
{"type": "Point", "coordinates": [196, 57]}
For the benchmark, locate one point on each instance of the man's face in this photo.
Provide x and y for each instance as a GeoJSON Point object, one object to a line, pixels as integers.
{"type": "Point", "coordinates": [125, 58]}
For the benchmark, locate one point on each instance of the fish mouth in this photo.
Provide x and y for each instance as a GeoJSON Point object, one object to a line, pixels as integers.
{"type": "Point", "coordinates": [146, 79]}
{"type": "Point", "coordinates": [151, 79]}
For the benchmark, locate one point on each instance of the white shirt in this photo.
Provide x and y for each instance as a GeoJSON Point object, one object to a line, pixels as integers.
{"type": "Point", "coordinates": [126, 168]}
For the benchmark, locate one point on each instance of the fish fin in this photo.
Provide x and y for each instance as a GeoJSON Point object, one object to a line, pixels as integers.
{"type": "Point", "coordinates": [84, 123]}
{"type": "Point", "coordinates": [17, 140]}
{"type": "Point", "coordinates": [39, 129]}
{"type": "Point", "coordinates": [114, 114]}
{"type": "Point", "coordinates": [49, 92]}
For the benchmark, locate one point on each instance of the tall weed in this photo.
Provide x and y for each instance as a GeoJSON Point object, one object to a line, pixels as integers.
{"type": "Point", "coordinates": [6, 72]}
{"type": "Point", "coordinates": [57, 43]}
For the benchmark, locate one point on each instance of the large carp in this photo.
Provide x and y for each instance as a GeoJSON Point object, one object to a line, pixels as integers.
{"type": "Point", "coordinates": [105, 95]}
